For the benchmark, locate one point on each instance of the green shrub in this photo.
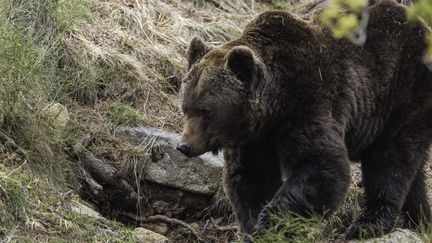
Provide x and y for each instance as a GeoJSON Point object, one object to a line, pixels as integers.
{"type": "Point", "coordinates": [121, 113]}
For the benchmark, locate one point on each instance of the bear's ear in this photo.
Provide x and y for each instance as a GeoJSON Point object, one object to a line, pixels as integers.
{"type": "Point", "coordinates": [240, 60]}
{"type": "Point", "coordinates": [196, 50]}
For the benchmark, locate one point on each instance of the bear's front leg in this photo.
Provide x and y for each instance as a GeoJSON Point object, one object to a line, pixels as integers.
{"type": "Point", "coordinates": [318, 178]}
{"type": "Point", "coordinates": [252, 176]}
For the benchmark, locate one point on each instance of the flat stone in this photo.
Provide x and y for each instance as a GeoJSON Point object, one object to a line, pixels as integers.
{"type": "Point", "coordinates": [167, 166]}
{"type": "Point", "coordinates": [397, 236]}
{"type": "Point", "coordinates": [82, 209]}
{"type": "Point", "coordinates": [160, 228]}
{"type": "Point", "coordinates": [147, 236]}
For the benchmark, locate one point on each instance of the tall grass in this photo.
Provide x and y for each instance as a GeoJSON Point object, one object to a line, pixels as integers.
{"type": "Point", "coordinates": [133, 53]}
{"type": "Point", "coordinates": [26, 77]}
{"type": "Point", "coordinates": [13, 196]}
{"type": "Point", "coordinates": [29, 80]}
{"type": "Point", "coordinates": [109, 62]}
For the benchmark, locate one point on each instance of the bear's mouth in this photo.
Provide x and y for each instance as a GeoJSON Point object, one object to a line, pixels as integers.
{"type": "Point", "coordinates": [215, 152]}
{"type": "Point", "coordinates": [213, 146]}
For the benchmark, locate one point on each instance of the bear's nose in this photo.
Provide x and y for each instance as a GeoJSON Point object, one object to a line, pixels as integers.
{"type": "Point", "coordinates": [183, 148]}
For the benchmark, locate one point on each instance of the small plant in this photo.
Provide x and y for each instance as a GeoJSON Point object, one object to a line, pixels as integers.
{"type": "Point", "coordinates": [280, 4]}
{"type": "Point", "coordinates": [13, 193]}
{"type": "Point", "coordinates": [67, 13]}
{"type": "Point", "coordinates": [292, 228]}
{"type": "Point", "coordinates": [121, 113]}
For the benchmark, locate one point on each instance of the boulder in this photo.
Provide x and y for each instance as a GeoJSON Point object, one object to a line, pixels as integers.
{"type": "Point", "coordinates": [82, 209]}
{"type": "Point", "coordinates": [58, 114]}
{"type": "Point", "coordinates": [148, 236]}
{"type": "Point", "coordinates": [397, 236]}
{"type": "Point", "coordinates": [154, 179]}
{"type": "Point", "coordinates": [167, 166]}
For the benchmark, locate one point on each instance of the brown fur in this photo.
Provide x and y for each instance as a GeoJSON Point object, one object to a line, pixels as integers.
{"type": "Point", "coordinates": [290, 106]}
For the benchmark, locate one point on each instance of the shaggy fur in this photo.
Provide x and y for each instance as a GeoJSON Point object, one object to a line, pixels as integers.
{"type": "Point", "coordinates": [290, 106]}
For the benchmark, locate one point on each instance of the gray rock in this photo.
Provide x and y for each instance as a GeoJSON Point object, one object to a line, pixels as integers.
{"type": "Point", "coordinates": [148, 236]}
{"type": "Point", "coordinates": [160, 228]}
{"type": "Point", "coordinates": [58, 115]}
{"type": "Point", "coordinates": [166, 166]}
{"type": "Point", "coordinates": [398, 236]}
{"type": "Point", "coordinates": [82, 209]}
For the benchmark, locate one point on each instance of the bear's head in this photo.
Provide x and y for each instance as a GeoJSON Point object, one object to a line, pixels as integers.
{"type": "Point", "coordinates": [215, 96]}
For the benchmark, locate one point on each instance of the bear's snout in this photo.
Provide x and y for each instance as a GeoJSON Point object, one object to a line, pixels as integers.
{"type": "Point", "coordinates": [184, 149]}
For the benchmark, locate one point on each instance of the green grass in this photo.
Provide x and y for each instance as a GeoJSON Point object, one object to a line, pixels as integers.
{"type": "Point", "coordinates": [13, 197]}
{"type": "Point", "coordinates": [35, 206]}
{"type": "Point", "coordinates": [121, 113]}
{"type": "Point", "coordinates": [32, 209]}
{"type": "Point", "coordinates": [279, 4]}
{"type": "Point", "coordinates": [292, 228]}
{"type": "Point", "coordinates": [29, 53]}
{"type": "Point", "coordinates": [24, 87]}
{"type": "Point", "coordinates": [108, 63]}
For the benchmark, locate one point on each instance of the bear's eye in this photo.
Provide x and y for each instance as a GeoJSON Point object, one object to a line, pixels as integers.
{"type": "Point", "coordinates": [202, 113]}
{"type": "Point", "coordinates": [194, 112]}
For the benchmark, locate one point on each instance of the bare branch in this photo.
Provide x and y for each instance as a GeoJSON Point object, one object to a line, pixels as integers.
{"type": "Point", "coordinates": [165, 219]}
{"type": "Point", "coordinates": [233, 228]}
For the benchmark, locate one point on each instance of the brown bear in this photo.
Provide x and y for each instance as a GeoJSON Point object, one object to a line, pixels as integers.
{"type": "Point", "coordinates": [290, 106]}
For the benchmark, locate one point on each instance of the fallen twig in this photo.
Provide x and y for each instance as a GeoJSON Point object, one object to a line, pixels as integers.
{"type": "Point", "coordinates": [224, 228]}
{"type": "Point", "coordinates": [205, 227]}
{"type": "Point", "coordinates": [165, 219]}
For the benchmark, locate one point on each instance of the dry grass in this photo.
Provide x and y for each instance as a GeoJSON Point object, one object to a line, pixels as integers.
{"type": "Point", "coordinates": [134, 51]}
{"type": "Point", "coordinates": [110, 63]}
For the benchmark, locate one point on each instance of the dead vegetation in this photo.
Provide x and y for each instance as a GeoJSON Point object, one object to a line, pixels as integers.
{"type": "Point", "coordinates": [108, 63]}
{"type": "Point", "coordinates": [135, 52]}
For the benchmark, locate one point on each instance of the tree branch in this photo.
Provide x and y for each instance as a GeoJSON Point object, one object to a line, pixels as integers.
{"type": "Point", "coordinates": [165, 219]}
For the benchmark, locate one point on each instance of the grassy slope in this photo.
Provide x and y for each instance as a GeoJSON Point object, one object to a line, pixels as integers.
{"type": "Point", "coordinates": [35, 204]}
{"type": "Point", "coordinates": [109, 62]}
{"type": "Point", "coordinates": [32, 209]}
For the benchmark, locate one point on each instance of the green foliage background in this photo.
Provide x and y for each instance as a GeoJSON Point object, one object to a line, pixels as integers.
{"type": "Point", "coordinates": [342, 17]}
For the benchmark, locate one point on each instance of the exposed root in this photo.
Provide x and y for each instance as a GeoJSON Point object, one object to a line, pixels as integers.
{"type": "Point", "coordinates": [233, 228]}
{"type": "Point", "coordinates": [166, 219]}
